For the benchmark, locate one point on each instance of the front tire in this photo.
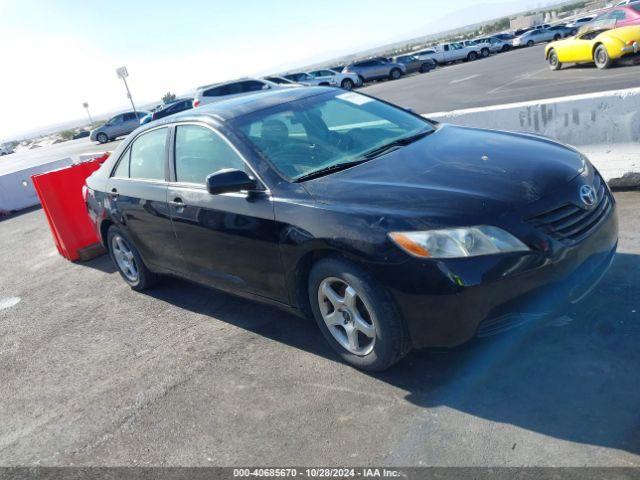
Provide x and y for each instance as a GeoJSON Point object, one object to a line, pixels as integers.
{"type": "Point", "coordinates": [395, 74]}
{"type": "Point", "coordinates": [602, 58]}
{"type": "Point", "coordinates": [102, 137]}
{"type": "Point", "coordinates": [126, 258]}
{"type": "Point", "coordinates": [554, 63]}
{"type": "Point", "coordinates": [356, 315]}
{"type": "Point", "coordinates": [347, 84]}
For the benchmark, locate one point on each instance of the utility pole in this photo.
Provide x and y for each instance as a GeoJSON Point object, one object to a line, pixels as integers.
{"type": "Point", "coordinates": [86, 107]}
{"type": "Point", "coordinates": [123, 74]}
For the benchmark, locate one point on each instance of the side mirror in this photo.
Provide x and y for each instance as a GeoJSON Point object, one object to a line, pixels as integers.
{"type": "Point", "coordinates": [408, 109]}
{"type": "Point", "coordinates": [229, 180]}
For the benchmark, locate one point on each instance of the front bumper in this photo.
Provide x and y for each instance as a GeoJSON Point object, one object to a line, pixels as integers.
{"type": "Point", "coordinates": [447, 303]}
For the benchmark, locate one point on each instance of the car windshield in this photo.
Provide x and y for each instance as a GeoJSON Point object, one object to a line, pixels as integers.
{"type": "Point", "coordinates": [327, 132]}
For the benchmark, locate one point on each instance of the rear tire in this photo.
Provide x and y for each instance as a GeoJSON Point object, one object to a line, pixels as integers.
{"type": "Point", "coordinates": [126, 259]}
{"type": "Point", "coordinates": [554, 63]}
{"type": "Point", "coordinates": [557, 37]}
{"type": "Point", "coordinates": [472, 56]}
{"type": "Point", "coordinates": [347, 302]}
{"type": "Point", "coordinates": [602, 58]}
{"type": "Point", "coordinates": [395, 74]}
{"type": "Point", "coordinates": [347, 84]}
{"type": "Point", "coordinates": [102, 138]}
{"type": "Point", "coordinates": [484, 53]}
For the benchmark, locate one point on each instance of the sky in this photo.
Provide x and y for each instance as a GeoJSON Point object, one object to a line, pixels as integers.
{"type": "Point", "coordinates": [57, 54]}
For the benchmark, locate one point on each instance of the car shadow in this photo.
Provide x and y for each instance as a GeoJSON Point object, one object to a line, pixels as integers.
{"type": "Point", "coordinates": [571, 374]}
{"type": "Point", "coordinates": [102, 263]}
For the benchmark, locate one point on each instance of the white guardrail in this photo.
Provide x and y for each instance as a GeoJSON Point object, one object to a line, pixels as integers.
{"type": "Point", "coordinates": [605, 126]}
{"type": "Point", "coordinates": [16, 189]}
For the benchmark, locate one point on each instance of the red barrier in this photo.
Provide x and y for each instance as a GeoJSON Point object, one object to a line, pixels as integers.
{"type": "Point", "coordinates": [60, 193]}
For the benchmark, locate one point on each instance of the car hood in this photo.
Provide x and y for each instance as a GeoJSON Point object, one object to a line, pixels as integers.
{"type": "Point", "coordinates": [454, 172]}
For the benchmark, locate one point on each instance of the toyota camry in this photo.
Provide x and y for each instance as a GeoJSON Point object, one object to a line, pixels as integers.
{"type": "Point", "coordinates": [393, 231]}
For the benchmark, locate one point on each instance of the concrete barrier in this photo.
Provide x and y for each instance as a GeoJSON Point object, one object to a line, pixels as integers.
{"type": "Point", "coordinates": [605, 126]}
{"type": "Point", "coordinates": [16, 189]}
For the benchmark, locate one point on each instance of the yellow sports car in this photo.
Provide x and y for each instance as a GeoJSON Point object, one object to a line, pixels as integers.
{"type": "Point", "coordinates": [594, 44]}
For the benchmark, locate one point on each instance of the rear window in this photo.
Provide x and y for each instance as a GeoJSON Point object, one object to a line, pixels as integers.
{"type": "Point", "coordinates": [635, 6]}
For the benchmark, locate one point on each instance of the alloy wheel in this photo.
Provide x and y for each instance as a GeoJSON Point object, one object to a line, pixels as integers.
{"type": "Point", "coordinates": [347, 316]}
{"type": "Point", "coordinates": [124, 258]}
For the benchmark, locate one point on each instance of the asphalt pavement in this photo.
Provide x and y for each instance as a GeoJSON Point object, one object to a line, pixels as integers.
{"type": "Point", "coordinates": [93, 373]}
{"type": "Point", "coordinates": [515, 76]}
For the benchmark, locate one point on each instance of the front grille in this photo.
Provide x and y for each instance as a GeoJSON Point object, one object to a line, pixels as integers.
{"type": "Point", "coordinates": [570, 223]}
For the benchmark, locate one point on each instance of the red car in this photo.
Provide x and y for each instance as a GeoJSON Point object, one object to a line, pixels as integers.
{"type": "Point", "coordinates": [621, 16]}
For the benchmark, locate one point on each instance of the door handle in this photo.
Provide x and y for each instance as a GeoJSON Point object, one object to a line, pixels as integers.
{"type": "Point", "coordinates": [114, 193]}
{"type": "Point", "coordinates": [178, 204]}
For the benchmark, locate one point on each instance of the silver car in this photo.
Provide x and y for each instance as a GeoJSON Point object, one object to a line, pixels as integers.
{"type": "Point", "coordinates": [376, 69]}
{"type": "Point", "coordinates": [550, 34]}
{"type": "Point", "coordinates": [307, 79]}
{"type": "Point", "coordinates": [343, 80]}
{"type": "Point", "coordinates": [118, 126]}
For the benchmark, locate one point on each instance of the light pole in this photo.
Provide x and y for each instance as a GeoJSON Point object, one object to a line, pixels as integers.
{"type": "Point", "coordinates": [86, 107]}
{"type": "Point", "coordinates": [123, 74]}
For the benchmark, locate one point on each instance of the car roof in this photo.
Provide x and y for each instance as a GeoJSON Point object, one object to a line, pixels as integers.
{"type": "Point", "coordinates": [228, 82]}
{"type": "Point", "coordinates": [251, 102]}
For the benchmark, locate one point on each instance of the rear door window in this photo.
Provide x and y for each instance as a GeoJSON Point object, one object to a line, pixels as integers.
{"type": "Point", "coordinates": [212, 92]}
{"type": "Point", "coordinates": [252, 86]}
{"type": "Point", "coordinates": [148, 154]}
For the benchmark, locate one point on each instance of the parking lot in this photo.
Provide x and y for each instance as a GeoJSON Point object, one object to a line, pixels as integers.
{"type": "Point", "coordinates": [515, 76]}
{"type": "Point", "coordinates": [93, 373]}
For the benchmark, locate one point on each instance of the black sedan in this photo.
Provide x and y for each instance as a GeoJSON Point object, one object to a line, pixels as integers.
{"type": "Point", "coordinates": [176, 106]}
{"type": "Point", "coordinates": [391, 230]}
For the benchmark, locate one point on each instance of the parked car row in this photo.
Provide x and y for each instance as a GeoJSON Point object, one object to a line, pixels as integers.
{"type": "Point", "coordinates": [593, 44]}
{"type": "Point", "coordinates": [624, 14]}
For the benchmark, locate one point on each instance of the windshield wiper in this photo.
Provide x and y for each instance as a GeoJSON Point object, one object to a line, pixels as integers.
{"type": "Point", "coordinates": [330, 169]}
{"type": "Point", "coordinates": [400, 142]}
{"type": "Point", "coordinates": [370, 155]}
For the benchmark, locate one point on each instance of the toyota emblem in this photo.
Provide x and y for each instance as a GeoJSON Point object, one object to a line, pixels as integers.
{"type": "Point", "coordinates": [588, 195]}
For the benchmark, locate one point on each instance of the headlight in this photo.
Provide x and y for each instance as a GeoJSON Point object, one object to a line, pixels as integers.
{"type": "Point", "coordinates": [458, 242]}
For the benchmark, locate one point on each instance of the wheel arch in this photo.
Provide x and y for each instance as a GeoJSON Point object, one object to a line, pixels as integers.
{"type": "Point", "coordinates": [610, 44]}
{"type": "Point", "coordinates": [104, 232]}
{"type": "Point", "coordinates": [298, 277]}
